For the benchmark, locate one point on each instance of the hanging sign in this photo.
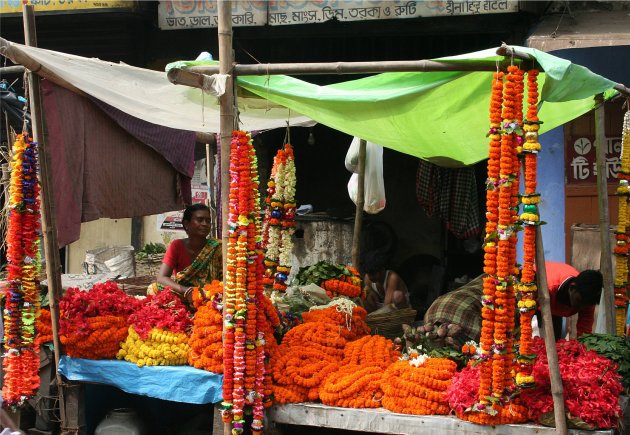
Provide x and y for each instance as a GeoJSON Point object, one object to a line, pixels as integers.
{"type": "Point", "coordinates": [15, 6]}
{"type": "Point", "coordinates": [581, 162]}
{"type": "Point", "coordinates": [199, 14]}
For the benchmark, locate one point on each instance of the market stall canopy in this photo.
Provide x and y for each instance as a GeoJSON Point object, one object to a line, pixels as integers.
{"type": "Point", "coordinates": [143, 93]}
{"type": "Point", "coordinates": [583, 29]}
{"type": "Point", "coordinates": [441, 117]}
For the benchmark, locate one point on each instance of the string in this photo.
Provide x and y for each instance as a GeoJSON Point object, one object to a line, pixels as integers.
{"type": "Point", "coordinates": [26, 84]}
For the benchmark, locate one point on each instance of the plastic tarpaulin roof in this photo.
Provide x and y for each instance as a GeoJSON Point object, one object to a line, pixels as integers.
{"type": "Point", "coordinates": [437, 116]}
{"type": "Point", "coordinates": [147, 94]}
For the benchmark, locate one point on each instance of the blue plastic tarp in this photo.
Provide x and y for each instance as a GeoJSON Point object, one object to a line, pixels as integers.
{"type": "Point", "coordinates": [175, 383]}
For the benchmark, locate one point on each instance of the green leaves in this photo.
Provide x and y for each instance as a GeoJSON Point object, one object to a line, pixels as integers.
{"type": "Point", "coordinates": [319, 272]}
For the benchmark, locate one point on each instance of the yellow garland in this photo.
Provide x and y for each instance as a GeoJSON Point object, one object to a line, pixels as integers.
{"type": "Point", "coordinates": [161, 348]}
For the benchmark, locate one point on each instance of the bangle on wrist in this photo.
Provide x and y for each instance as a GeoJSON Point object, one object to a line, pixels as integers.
{"type": "Point", "coordinates": [187, 292]}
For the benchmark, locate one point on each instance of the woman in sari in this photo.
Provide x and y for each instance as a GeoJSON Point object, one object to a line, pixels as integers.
{"type": "Point", "coordinates": [195, 260]}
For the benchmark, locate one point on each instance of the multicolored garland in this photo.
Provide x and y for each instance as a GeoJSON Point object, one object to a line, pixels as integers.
{"type": "Point", "coordinates": [280, 220]}
{"type": "Point", "coordinates": [243, 339]}
{"type": "Point", "coordinates": [622, 235]}
{"type": "Point", "coordinates": [21, 360]}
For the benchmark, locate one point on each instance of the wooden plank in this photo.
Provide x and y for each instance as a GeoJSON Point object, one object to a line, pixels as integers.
{"type": "Point", "coordinates": [383, 421]}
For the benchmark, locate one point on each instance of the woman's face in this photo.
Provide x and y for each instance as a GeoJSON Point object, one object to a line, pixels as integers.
{"type": "Point", "coordinates": [199, 224]}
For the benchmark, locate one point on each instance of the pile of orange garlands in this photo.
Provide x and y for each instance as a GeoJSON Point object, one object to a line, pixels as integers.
{"type": "Point", "coordinates": [344, 285]}
{"type": "Point", "coordinates": [311, 351]}
{"type": "Point", "coordinates": [94, 323]}
{"type": "Point", "coordinates": [418, 385]}
{"type": "Point", "coordinates": [43, 327]}
{"type": "Point", "coordinates": [356, 383]}
{"type": "Point", "coordinates": [499, 303]}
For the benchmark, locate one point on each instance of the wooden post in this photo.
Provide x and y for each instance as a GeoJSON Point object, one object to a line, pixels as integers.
{"type": "Point", "coordinates": [226, 113]}
{"type": "Point", "coordinates": [49, 228]}
{"type": "Point", "coordinates": [605, 262]}
{"type": "Point", "coordinates": [358, 215]}
{"type": "Point", "coordinates": [549, 336]}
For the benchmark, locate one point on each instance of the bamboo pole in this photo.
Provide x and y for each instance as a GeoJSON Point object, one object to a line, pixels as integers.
{"type": "Point", "coordinates": [605, 261]}
{"type": "Point", "coordinates": [49, 228]}
{"type": "Point", "coordinates": [549, 336]}
{"type": "Point", "coordinates": [226, 101]}
{"type": "Point", "coordinates": [358, 215]}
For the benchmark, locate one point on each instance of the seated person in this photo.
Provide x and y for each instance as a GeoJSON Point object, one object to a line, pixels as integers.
{"type": "Point", "coordinates": [462, 307]}
{"type": "Point", "coordinates": [195, 260]}
{"type": "Point", "coordinates": [383, 286]}
{"type": "Point", "coordinates": [572, 292]}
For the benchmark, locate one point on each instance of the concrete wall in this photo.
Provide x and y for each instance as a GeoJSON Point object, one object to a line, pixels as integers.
{"type": "Point", "coordinates": [97, 234]}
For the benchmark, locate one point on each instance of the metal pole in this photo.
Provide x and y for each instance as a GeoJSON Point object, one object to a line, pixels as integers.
{"type": "Point", "coordinates": [49, 228]}
{"type": "Point", "coordinates": [226, 113]}
{"type": "Point", "coordinates": [549, 336]}
{"type": "Point", "coordinates": [358, 215]}
{"type": "Point", "coordinates": [605, 262]}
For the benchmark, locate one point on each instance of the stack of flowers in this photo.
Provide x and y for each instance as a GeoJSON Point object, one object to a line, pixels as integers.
{"type": "Point", "coordinates": [21, 360]}
{"type": "Point", "coordinates": [357, 381]}
{"type": "Point", "coordinates": [418, 385]}
{"type": "Point", "coordinates": [280, 220]}
{"type": "Point", "coordinates": [94, 323]}
{"type": "Point", "coordinates": [463, 394]}
{"type": "Point", "coordinates": [313, 350]}
{"type": "Point", "coordinates": [336, 279]}
{"type": "Point", "coordinates": [591, 385]}
{"type": "Point", "coordinates": [158, 334]}
{"type": "Point", "coordinates": [622, 235]}
{"type": "Point", "coordinates": [43, 327]}
{"type": "Point", "coordinates": [243, 320]}
{"type": "Point", "coordinates": [206, 348]}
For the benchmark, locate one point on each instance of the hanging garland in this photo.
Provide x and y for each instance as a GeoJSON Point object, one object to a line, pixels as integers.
{"type": "Point", "coordinates": [622, 235]}
{"type": "Point", "coordinates": [280, 220]}
{"type": "Point", "coordinates": [243, 339]}
{"type": "Point", "coordinates": [499, 298]}
{"type": "Point", "coordinates": [529, 218]}
{"type": "Point", "coordinates": [21, 360]}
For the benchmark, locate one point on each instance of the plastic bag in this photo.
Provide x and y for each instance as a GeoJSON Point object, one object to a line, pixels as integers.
{"type": "Point", "coordinates": [119, 259]}
{"type": "Point", "coordinates": [352, 156]}
{"type": "Point", "coordinates": [374, 184]}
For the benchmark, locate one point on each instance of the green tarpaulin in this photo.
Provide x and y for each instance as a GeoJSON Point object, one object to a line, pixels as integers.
{"type": "Point", "coordinates": [438, 116]}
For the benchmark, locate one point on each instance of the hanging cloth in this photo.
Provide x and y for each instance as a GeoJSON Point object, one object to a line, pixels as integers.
{"type": "Point", "coordinates": [451, 195]}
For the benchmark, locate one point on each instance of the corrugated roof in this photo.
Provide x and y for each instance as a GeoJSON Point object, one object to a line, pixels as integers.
{"type": "Point", "coordinates": [581, 29]}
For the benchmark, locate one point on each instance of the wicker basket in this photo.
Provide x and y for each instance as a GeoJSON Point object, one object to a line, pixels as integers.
{"type": "Point", "coordinates": [136, 286]}
{"type": "Point", "coordinates": [390, 324]}
{"type": "Point", "coordinates": [149, 266]}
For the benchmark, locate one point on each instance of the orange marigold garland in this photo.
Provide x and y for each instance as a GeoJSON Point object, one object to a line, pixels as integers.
{"type": "Point", "coordinates": [243, 340]}
{"type": "Point", "coordinates": [21, 360]}
{"type": "Point", "coordinates": [622, 234]}
{"type": "Point", "coordinates": [418, 385]}
{"type": "Point", "coordinates": [529, 218]}
{"type": "Point", "coordinates": [280, 220]}
{"type": "Point", "coordinates": [206, 347]}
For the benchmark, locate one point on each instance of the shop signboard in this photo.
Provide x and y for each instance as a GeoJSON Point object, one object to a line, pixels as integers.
{"type": "Point", "coordinates": [581, 163]}
{"type": "Point", "coordinates": [9, 7]}
{"type": "Point", "coordinates": [199, 14]}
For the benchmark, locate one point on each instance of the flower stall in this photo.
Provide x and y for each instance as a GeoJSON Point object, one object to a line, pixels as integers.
{"type": "Point", "coordinates": [364, 382]}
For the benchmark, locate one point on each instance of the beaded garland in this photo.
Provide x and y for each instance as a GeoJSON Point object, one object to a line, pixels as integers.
{"type": "Point", "coordinates": [243, 336]}
{"type": "Point", "coordinates": [21, 358]}
{"type": "Point", "coordinates": [279, 220]}
{"type": "Point", "coordinates": [621, 234]}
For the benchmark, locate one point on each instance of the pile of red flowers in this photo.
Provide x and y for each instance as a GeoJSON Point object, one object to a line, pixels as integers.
{"type": "Point", "coordinates": [94, 322]}
{"type": "Point", "coordinates": [591, 385]}
{"type": "Point", "coordinates": [162, 311]}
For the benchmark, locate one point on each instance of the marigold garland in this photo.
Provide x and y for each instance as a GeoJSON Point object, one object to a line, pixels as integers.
{"type": "Point", "coordinates": [21, 360]}
{"type": "Point", "coordinates": [159, 347]}
{"type": "Point", "coordinates": [622, 235]}
{"type": "Point", "coordinates": [43, 327]}
{"type": "Point", "coordinates": [206, 347]}
{"type": "Point", "coordinates": [280, 220]}
{"type": "Point", "coordinates": [418, 390]}
{"type": "Point", "coordinates": [244, 336]}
